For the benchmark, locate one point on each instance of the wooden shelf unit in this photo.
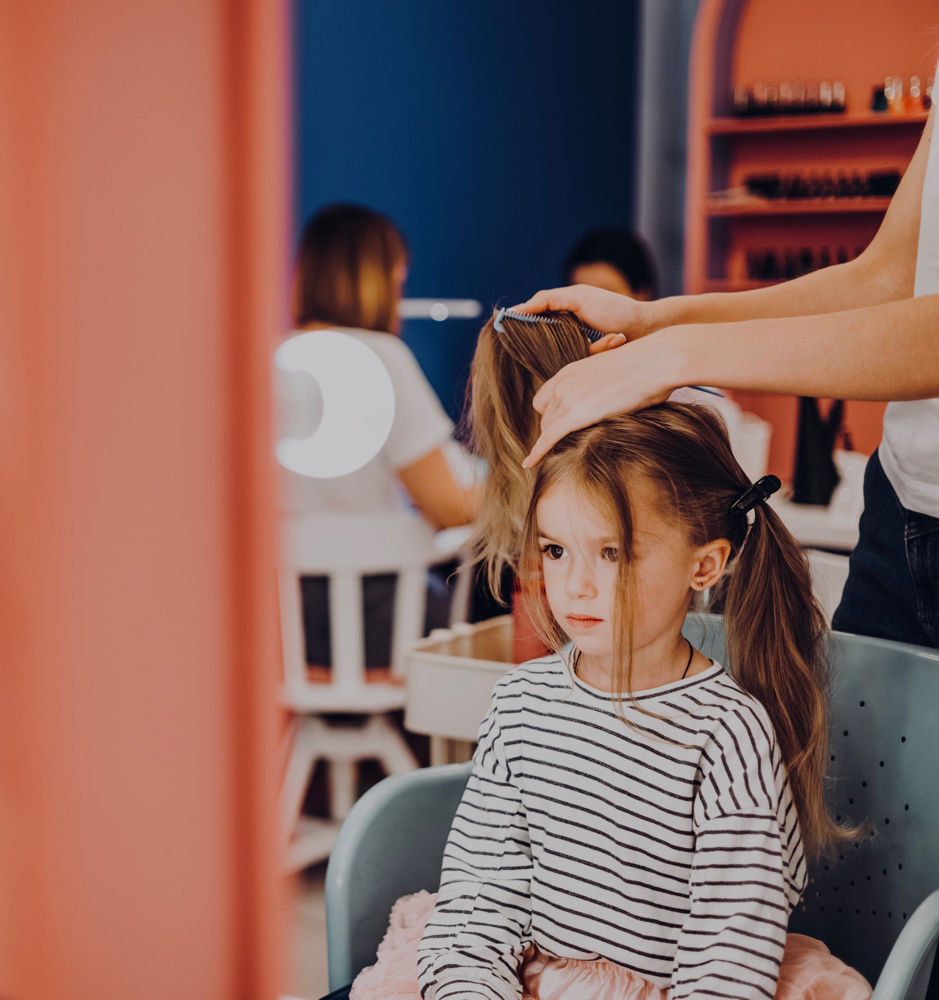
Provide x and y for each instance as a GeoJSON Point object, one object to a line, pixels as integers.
{"type": "Point", "coordinates": [738, 42]}
{"type": "Point", "coordinates": [810, 123]}
{"type": "Point", "coordinates": [797, 206]}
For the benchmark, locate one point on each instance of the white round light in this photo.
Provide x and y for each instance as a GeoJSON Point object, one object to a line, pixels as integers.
{"type": "Point", "coordinates": [358, 404]}
{"type": "Point", "coordinates": [439, 312]}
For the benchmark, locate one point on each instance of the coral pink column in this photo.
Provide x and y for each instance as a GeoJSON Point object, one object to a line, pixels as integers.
{"type": "Point", "coordinates": [142, 272]}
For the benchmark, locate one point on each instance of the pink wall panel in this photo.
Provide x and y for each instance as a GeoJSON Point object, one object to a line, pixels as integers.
{"type": "Point", "coordinates": [142, 225]}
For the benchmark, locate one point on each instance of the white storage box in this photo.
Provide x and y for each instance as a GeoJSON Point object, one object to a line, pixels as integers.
{"type": "Point", "coordinates": [451, 674]}
{"type": "Point", "coordinates": [750, 444]}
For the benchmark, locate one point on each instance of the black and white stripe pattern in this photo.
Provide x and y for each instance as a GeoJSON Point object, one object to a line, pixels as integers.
{"type": "Point", "coordinates": [596, 839]}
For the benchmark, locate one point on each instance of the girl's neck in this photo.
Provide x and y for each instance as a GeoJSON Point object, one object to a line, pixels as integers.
{"type": "Point", "coordinates": [654, 664]}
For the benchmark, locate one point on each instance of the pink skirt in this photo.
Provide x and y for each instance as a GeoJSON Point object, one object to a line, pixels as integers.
{"type": "Point", "coordinates": [808, 972]}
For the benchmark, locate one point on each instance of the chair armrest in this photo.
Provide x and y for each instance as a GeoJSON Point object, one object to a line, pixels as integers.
{"type": "Point", "coordinates": [906, 972]}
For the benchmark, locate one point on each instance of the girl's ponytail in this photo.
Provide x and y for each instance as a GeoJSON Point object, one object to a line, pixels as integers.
{"type": "Point", "coordinates": [775, 634]}
{"type": "Point", "coordinates": [511, 363]}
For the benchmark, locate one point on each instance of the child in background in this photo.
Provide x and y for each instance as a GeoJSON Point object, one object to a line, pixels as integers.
{"type": "Point", "coordinates": [637, 821]}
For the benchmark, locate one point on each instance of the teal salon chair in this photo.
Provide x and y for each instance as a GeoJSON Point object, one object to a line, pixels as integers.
{"type": "Point", "coordinates": [875, 905]}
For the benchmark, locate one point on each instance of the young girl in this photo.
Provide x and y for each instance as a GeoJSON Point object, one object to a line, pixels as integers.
{"type": "Point", "coordinates": [638, 819]}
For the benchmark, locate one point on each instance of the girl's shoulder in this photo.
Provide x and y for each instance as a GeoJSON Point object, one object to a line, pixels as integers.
{"type": "Point", "coordinates": [724, 708]}
{"type": "Point", "coordinates": [741, 764]}
{"type": "Point", "coordinates": [544, 677]}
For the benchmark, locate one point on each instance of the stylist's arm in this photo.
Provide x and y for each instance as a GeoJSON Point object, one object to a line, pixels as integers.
{"type": "Point", "coordinates": [853, 331]}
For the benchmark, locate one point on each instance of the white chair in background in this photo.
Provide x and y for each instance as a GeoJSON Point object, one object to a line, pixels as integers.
{"type": "Point", "coordinates": [829, 575]}
{"type": "Point", "coordinates": [345, 548]}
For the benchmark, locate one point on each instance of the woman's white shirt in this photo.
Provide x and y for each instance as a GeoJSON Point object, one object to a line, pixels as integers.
{"type": "Point", "coordinates": [909, 451]}
{"type": "Point", "coordinates": [420, 426]}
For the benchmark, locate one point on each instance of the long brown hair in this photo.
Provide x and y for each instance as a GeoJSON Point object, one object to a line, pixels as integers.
{"type": "Point", "coordinates": [345, 269]}
{"type": "Point", "coordinates": [775, 630]}
{"type": "Point", "coordinates": [508, 369]}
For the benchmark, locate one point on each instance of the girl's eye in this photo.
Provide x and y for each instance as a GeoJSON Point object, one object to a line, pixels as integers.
{"type": "Point", "coordinates": [553, 551]}
{"type": "Point", "coordinates": [611, 554]}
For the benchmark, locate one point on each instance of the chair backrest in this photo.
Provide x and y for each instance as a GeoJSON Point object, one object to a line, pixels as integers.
{"type": "Point", "coordinates": [344, 548]}
{"type": "Point", "coordinates": [391, 844]}
{"type": "Point", "coordinates": [885, 745]}
{"type": "Point", "coordinates": [885, 765]}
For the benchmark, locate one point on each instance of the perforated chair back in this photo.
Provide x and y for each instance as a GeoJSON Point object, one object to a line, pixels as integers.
{"type": "Point", "coordinates": [885, 763]}
{"type": "Point", "coordinates": [886, 699]}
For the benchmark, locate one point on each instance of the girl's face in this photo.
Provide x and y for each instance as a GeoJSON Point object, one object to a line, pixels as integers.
{"type": "Point", "coordinates": [580, 553]}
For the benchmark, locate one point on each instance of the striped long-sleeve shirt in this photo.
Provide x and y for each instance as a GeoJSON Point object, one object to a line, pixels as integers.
{"type": "Point", "coordinates": [670, 847]}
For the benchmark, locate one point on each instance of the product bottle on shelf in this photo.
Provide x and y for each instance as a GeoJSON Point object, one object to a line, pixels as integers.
{"type": "Point", "coordinates": [837, 96]}
{"type": "Point", "coordinates": [771, 100]}
{"type": "Point", "coordinates": [812, 95]}
{"type": "Point", "coordinates": [893, 88]}
{"type": "Point", "coordinates": [798, 95]}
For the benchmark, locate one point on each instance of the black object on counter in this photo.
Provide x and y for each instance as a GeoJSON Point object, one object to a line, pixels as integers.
{"type": "Point", "coordinates": [884, 184]}
{"type": "Point", "coordinates": [815, 474]}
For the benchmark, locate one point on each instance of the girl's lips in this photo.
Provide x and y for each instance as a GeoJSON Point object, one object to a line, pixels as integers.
{"type": "Point", "coordinates": [582, 621]}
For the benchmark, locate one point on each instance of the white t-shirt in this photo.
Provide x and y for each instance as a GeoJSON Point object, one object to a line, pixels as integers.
{"type": "Point", "coordinates": [909, 451]}
{"type": "Point", "coordinates": [420, 426]}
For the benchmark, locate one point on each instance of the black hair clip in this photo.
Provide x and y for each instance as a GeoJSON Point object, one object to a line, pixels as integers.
{"type": "Point", "coordinates": [759, 492]}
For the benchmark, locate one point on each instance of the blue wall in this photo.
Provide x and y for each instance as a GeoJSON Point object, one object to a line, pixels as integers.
{"type": "Point", "coordinates": [494, 132]}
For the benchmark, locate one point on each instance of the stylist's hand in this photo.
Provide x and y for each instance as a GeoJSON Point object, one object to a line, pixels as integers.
{"type": "Point", "coordinates": [605, 311]}
{"type": "Point", "coordinates": [619, 381]}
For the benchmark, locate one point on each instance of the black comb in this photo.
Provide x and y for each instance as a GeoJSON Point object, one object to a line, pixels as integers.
{"type": "Point", "coordinates": [588, 331]}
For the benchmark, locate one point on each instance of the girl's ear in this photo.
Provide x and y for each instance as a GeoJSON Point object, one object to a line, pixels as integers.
{"type": "Point", "coordinates": [710, 562]}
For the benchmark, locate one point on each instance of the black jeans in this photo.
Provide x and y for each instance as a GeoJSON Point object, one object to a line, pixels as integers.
{"type": "Point", "coordinates": [893, 586]}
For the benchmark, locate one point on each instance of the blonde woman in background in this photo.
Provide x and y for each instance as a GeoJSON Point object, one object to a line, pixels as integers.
{"type": "Point", "coordinates": [351, 267]}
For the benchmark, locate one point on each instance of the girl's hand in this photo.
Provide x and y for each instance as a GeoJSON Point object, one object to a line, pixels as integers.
{"type": "Point", "coordinates": [605, 311]}
{"type": "Point", "coordinates": [620, 381]}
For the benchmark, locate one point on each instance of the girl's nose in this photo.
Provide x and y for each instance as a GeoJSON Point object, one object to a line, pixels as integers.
{"type": "Point", "coordinates": [580, 582]}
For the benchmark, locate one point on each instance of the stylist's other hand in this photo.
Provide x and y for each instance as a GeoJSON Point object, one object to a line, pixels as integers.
{"type": "Point", "coordinates": [607, 343]}
{"type": "Point", "coordinates": [605, 311]}
{"type": "Point", "coordinates": [583, 392]}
